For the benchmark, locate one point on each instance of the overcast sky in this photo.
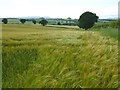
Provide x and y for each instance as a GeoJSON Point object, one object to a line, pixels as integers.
{"type": "Point", "coordinates": [58, 8]}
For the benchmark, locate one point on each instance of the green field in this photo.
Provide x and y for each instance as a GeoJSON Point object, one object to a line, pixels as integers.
{"type": "Point", "coordinates": [34, 56]}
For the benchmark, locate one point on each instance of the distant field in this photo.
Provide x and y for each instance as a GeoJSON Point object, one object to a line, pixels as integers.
{"type": "Point", "coordinates": [58, 57]}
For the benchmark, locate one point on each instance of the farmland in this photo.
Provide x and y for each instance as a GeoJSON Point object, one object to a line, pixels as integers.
{"type": "Point", "coordinates": [34, 56]}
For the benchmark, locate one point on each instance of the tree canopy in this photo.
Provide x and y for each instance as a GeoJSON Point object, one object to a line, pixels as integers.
{"type": "Point", "coordinates": [34, 21]}
{"type": "Point", "coordinates": [4, 20]}
{"type": "Point", "coordinates": [87, 20]}
{"type": "Point", "coordinates": [22, 21]}
{"type": "Point", "coordinates": [43, 22]}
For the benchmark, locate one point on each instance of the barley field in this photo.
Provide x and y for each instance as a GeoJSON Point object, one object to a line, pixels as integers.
{"type": "Point", "coordinates": [34, 56]}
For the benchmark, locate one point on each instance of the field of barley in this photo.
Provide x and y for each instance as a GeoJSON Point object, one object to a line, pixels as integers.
{"type": "Point", "coordinates": [34, 56]}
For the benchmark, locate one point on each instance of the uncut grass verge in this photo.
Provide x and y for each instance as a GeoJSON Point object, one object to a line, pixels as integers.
{"type": "Point", "coordinates": [110, 32]}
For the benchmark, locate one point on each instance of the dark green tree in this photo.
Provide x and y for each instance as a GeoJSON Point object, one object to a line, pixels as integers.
{"type": "Point", "coordinates": [22, 21]}
{"type": "Point", "coordinates": [43, 22]}
{"type": "Point", "coordinates": [87, 20]}
{"type": "Point", "coordinates": [58, 23]}
{"type": "Point", "coordinates": [34, 21]}
{"type": "Point", "coordinates": [4, 20]}
{"type": "Point", "coordinates": [69, 18]}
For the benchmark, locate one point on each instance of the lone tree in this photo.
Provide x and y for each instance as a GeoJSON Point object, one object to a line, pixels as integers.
{"type": "Point", "coordinates": [69, 18]}
{"type": "Point", "coordinates": [87, 20]}
{"type": "Point", "coordinates": [43, 22]}
{"type": "Point", "coordinates": [4, 20]}
{"type": "Point", "coordinates": [34, 21]}
{"type": "Point", "coordinates": [22, 21]}
{"type": "Point", "coordinates": [58, 23]}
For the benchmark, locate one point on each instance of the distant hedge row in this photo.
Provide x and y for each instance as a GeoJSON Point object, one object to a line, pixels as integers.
{"type": "Point", "coordinates": [113, 24]}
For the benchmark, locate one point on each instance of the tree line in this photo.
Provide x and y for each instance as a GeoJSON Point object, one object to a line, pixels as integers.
{"type": "Point", "coordinates": [85, 21]}
{"type": "Point", "coordinates": [43, 21]}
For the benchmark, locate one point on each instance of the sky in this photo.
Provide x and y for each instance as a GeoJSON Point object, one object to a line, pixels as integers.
{"type": "Point", "coordinates": [58, 8]}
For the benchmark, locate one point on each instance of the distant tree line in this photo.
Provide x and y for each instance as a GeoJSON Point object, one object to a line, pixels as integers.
{"type": "Point", "coordinates": [68, 24]}
{"type": "Point", "coordinates": [85, 21]}
{"type": "Point", "coordinates": [43, 21]}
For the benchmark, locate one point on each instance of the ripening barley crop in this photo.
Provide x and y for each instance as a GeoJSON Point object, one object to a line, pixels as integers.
{"type": "Point", "coordinates": [52, 57]}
